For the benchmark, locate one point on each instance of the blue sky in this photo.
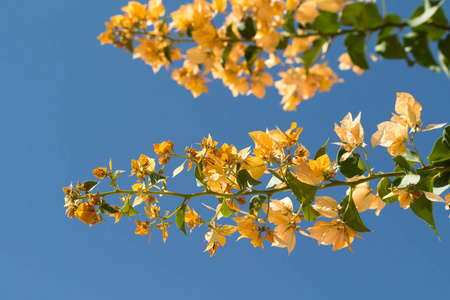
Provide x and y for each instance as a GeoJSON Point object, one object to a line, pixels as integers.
{"type": "Point", "coordinates": [69, 105]}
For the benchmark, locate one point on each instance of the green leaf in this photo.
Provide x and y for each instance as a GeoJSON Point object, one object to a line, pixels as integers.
{"type": "Point", "coordinates": [361, 16]}
{"type": "Point", "coordinates": [245, 180]}
{"type": "Point", "coordinates": [303, 192]}
{"type": "Point", "coordinates": [189, 30]}
{"type": "Point", "coordinates": [114, 177]}
{"type": "Point", "coordinates": [327, 22]}
{"type": "Point", "coordinates": [404, 164]}
{"type": "Point", "coordinates": [310, 213]}
{"type": "Point", "coordinates": [225, 53]}
{"type": "Point", "coordinates": [199, 177]}
{"type": "Point", "coordinates": [107, 209]}
{"type": "Point", "coordinates": [129, 45]}
{"type": "Point", "coordinates": [385, 187]}
{"type": "Point", "coordinates": [423, 208]}
{"type": "Point", "coordinates": [247, 28]}
{"type": "Point", "coordinates": [284, 41]}
{"type": "Point", "coordinates": [441, 183]}
{"type": "Point", "coordinates": [230, 33]}
{"type": "Point", "coordinates": [425, 184]}
{"type": "Point", "coordinates": [417, 44]}
{"type": "Point", "coordinates": [444, 54]}
{"type": "Point", "coordinates": [311, 54]}
{"type": "Point", "coordinates": [251, 55]}
{"type": "Point", "coordinates": [256, 203]}
{"type": "Point", "coordinates": [168, 52]}
{"type": "Point", "coordinates": [225, 210]}
{"type": "Point", "coordinates": [155, 178]}
{"type": "Point", "coordinates": [128, 209]}
{"type": "Point", "coordinates": [411, 157]}
{"type": "Point", "coordinates": [180, 219]}
{"type": "Point", "coordinates": [321, 151]}
{"type": "Point", "coordinates": [446, 137]}
{"type": "Point", "coordinates": [351, 216]}
{"type": "Point", "coordinates": [389, 47]}
{"type": "Point", "coordinates": [439, 151]}
{"type": "Point", "coordinates": [352, 166]}
{"type": "Point", "coordinates": [289, 24]}
{"type": "Point", "coordinates": [356, 45]}
{"type": "Point", "coordinates": [428, 12]}
{"type": "Point", "coordinates": [433, 33]}
{"type": "Point", "coordinates": [387, 31]}
{"type": "Point", "coordinates": [90, 185]}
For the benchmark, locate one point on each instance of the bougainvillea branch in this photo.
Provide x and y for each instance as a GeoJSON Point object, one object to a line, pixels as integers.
{"type": "Point", "coordinates": [231, 177]}
{"type": "Point", "coordinates": [236, 41]}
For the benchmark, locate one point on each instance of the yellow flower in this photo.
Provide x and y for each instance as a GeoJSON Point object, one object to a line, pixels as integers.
{"type": "Point", "coordinates": [100, 173]}
{"type": "Point", "coordinates": [268, 38]}
{"type": "Point", "coordinates": [192, 219]}
{"type": "Point", "coordinates": [219, 5]}
{"type": "Point", "coordinates": [163, 148]}
{"type": "Point", "coordinates": [351, 132]}
{"type": "Point", "coordinates": [330, 5]}
{"type": "Point", "coordinates": [205, 35]}
{"type": "Point", "coordinates": [327, 207]}
{"type": "Point", "coordinates": [142, 167]}
{"type": "Point", "coordinates": [135, 10]}
{"type": "Point", "coordinates": [86, 213]}
{"type": "Point", "coordinates": [409, 109]}
{"type": "Point", "coordinates": [391, 135]}
{"type": "Point", "coordinates": [306, 12]}
{"type": "Point", "coordinates": [314, 171]}
{"type": "Point", "coordinates": [248, 229]}
{"type": "Point", "coordinates": [155, 10]}
{"type": "Point", "coordinates": [217, 236]}
{"type": "Point", "coordinates": [334, 233]}
{"type": "Point", "coordinates": [364, 199]}
{"type": "Point", "coordinates": [163, 227]}
{"type": "Point", "coordinates": [142, 227]}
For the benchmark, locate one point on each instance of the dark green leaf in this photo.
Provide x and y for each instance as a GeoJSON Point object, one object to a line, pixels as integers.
{"type": "Point", "coordinates": [225, 210]}
{"type": "Point", "coordinates": [387, 31]}
{"type": "Point", "coordinates": [327, 22]}
{"type": "Point", "coordinates": [245, 180]}
{"type": "Point", "coordinates": [310, 213]}
{"type": "Point", "coordinates": [114, 177]}
{"type": "Point", "coordinates": [423, 208]}
{"type": "Point", "coordinates": [417, 44]}
{"type": "Point", "coordinates": [385, 187]}
{"type": "Point", "coordinates": [428, 12]}
{"type": "Point", "coordinates": [361, 16]}
{"type": "Point", "coordinates": [251, 55]}
{"type": "Point", "coordinates": [199, 177]}
{"type": "Point", "coordinates": [289, 24]}
{"type": "Point", "coordinates": [303, 192]}
{"type": "Point", "coordinates": [352, 166]}
{"type": "Point", "coordinates": [189, 30]}
{"type": "Point", "coordinates": [155, 178]}
{"type": "Point", "coordinates": [168, 52]}
{"type": "Point", "coordinates": [411, 157]}
{"type": "Point", "coordinates": [90, 185]}
{"type": "Point", "coordinates": [129, 45]}
{"type": "Point", "coordinates": [225, 53]}
{"type": "Point", "coordinates": [230, 33]}
{"type": "Point", "coordinates": [355, 44]}
{"type": "Point", "coordinates": [247, 28]}
{"type": "Point", "coordinates": [311, 54]}
{"type": "Point", "coordinates": [444, 54]}
{"type": "Point", "coordinates": [441, 183]}
{"type": "Point", "coordinates": [283, 42]}
{"type": "Point", "coordinates": [107, 209]}
{"type": "Point", "coordinates": [256, 203]}
{"type": "Point", "coordinates": [425, 184]}
{"type": "Point", "coordinates": [390, 48]}
{"type": "Point", "coordinates": [351, 216]}
{"type": "Point", "coordinates": [406, 181]}
{"type": "Point", "coordinates": [322, 150]}
{"type": "Point", "coordinates": [180, 218]}
{"type": "Point", "coordinates": [128, 209]}
{"type": "Point", "coordinates": [446, 137]}
{"type": "Point", "coordinates": [439, 151]}
{"type": "Point", "coordinates": [404, 164]}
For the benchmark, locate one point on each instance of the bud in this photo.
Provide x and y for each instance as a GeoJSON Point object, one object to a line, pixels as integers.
{"type": "Point", "coordinates": [100, 173]}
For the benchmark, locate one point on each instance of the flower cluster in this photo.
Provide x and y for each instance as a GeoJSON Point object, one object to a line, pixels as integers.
{"type": "Point", "coordinates": [230, 176]}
